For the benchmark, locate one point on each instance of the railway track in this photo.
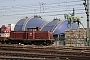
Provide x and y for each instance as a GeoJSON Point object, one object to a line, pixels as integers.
{"type": "Point", "coordinates": [68, 52]}
{"type": "Point", "coordinates": [44, 52]}
{"type": "Point", "coordinates": [19, 58]}
{"type": "Point", "coordinates": [46, 47]}
{"type": "Point", "coordinates": [39, 55]}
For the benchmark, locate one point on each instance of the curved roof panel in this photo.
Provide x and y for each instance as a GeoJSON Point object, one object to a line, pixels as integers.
{"type": "Point", "coordinates": [50, 26]}
{"type": "Point", "coordinates": [35, 22]}
{"type": "Point", "coordinates": [63, 26]}
{"type": "Point", "coordinates": [57, 26]}
{"type": "Point", "coordinates": [19, 24]}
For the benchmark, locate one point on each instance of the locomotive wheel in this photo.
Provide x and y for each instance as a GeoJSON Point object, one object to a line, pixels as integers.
{"type": "Point", "coordinates": [7, 42]}
{"type": "Point", "coordinates": [2, 42]}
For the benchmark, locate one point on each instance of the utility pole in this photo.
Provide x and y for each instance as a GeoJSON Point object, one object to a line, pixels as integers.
{"type": "Point", "coordinates": [86, 5]}
{"type": "Point", "coordinates": [88, 33]}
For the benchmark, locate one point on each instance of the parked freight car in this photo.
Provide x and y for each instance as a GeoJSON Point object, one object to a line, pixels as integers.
{"type": "Point", "coordinates": [31, 36]}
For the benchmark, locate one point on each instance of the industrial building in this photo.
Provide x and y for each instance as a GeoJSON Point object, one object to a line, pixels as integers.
{"type": "Point", "coordinates": [57, 26]}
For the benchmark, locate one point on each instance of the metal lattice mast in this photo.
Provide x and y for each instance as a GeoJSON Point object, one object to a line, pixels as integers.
{"type": "Point", "coordinates": [88, 37]}
{"type": "Point", "coordinates": [86, 5]}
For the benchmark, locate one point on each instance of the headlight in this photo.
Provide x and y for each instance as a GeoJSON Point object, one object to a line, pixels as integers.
{"type": "Point", "coordinates": [4, 31]}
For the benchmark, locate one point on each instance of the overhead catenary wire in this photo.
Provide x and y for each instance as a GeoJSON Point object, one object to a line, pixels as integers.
{"type": "Point", "coordinates": [23, 7]}
{"type": "Point", "coordinates": [44, 3]}
{"type": "Point", "coordinates": [42, 12]}
{"type": "Point", "coordinates": [34, 6]}
{"type": "Point", "coordinates": [23, 11]}
{"type": "Point", "coordinates": [46, 12]}
{"type": "Point", "coordinates": [46, 6]}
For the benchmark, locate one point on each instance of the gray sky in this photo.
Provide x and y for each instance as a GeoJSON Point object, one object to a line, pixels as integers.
{"type": "Point", "coordinates": [13, 10]}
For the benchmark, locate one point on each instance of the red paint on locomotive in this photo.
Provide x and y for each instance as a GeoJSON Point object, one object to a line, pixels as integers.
{"type": "Point", "coordinates": [32, 34]}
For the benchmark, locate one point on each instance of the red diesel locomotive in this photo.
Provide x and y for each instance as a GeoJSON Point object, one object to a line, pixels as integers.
{"type": "Point", "coordinates": [31, 36]}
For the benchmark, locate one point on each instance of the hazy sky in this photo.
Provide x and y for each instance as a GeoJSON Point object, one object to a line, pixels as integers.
{"type": "Point", "coordinates": [13, 10]}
